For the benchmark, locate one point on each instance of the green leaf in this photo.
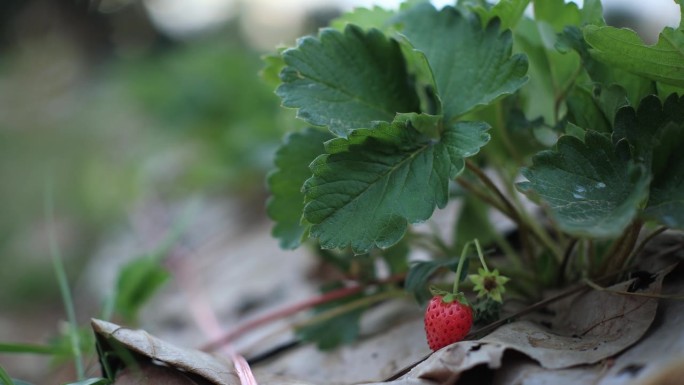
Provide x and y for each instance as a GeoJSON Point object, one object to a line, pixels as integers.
{"type": "Point", "coordinates": [666, 200]}
{"type": "Point", "coordinates": [508, 11]}
{"type": "Point", "coordinates": [668, 141]}
{"type": "Point", "coordinates": [643, 128]}
{"type": "Point", "coordinates": [557, 14]}
{"type": "Point", "coordinates": [396, 257]}
{"type": "Point", "coordinates": [623, 48]}
{"type": "Point", "coordinates": [345, 81]}
{"type": "Point", "coordinates": [611, 99]}
{"type": "Point", "coordinates": [655, 132]}
{"type": "Point", "coordinates": [420, 272]}
{"type": "Point", "coordinates": [472, 66]}
{"type": "Point", "coordinates": [138, 280]}
{"type": "Point", "coordinates": [592, 13]}
{"type": "Point", "coordinates": [589, 189]}
{"type": "Point", "coordinates": [576, 131]}
{"type": "Point", "coordinates": [335, 331]}
{"type": "Point", "coordinates": [635, 87]}
{"type": "Point", "coordinates": [369, 187]}
{"type": "Point", "coordinates": [474, 223]}
{"type": "Point", "coordinates": [273, 65]}
{"type": "Point", "coordinates": [551, 70]}
{"type": "Point", "coordinates": [428, 125]}
{"type": "Point", "coordinates": [584, 112]}
{"type": "Point", "coordinates": [376, 17]}
{"type": "Point", "coordinates": [419, 69]}
{"type": "Point", "coordinates": [286, 204]}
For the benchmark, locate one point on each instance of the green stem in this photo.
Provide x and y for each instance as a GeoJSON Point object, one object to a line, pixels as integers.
{"type": "Point", "coordinates": [621, 248]}
{"type": "Point", "coordinates": [526, 226]}
{"type": "Point", "coordinates": [589, 251]}
{"type": "Point", "coordinates": [560, 277]}
{"type": "Point", "coordinates": [292, 309]}
{"type": "Point", "coordinates": [505, 138]}
{"type": "Point", "coordinates": [480, 254]}
{"type": "Point", "coordinates": [359, 303]}
{"type": "Point", "coordinates": [62, 281]}
{"type": "Point", "coordinates": [542, 236]}
{"type": "Point", "coordinates": [565, 91]}
{"type": "Point", "coordinates": [643, 244]}
{"type": "Point", "coordinates": [459, 268]}
{"type": "Point", "coordinates": [508, 251]}
{"type": "Point", "coordinates": [494, 188]}
{"type": "Point", "coordinates": [482, 195]}
{"type": "Point", "coordinates": [514, 213]}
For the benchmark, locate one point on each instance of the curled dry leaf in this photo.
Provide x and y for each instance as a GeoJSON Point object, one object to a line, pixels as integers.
{"type": "Point", "coordinates": [439, 367]}
{"type": "Point", "coordinates": [590, 327]}
{"type": "Point", "coordinates": [199, 365]}
{"type": "Point", "coordinates": [149, 373]}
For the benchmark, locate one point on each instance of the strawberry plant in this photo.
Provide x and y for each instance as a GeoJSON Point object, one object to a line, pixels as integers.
{"type": "Point", "coordinates": [476, 103]}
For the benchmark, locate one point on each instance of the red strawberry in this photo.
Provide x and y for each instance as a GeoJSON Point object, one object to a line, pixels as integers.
{"type": "Point", "coordinates": [447, 320]}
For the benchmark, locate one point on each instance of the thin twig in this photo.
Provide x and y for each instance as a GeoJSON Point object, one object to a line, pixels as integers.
{"type": "Point", "coordinates": [595, 286]}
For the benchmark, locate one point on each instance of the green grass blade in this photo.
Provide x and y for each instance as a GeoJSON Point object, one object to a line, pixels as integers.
{"type": "Point", "coordinates": [18, 348]}
{"type": "Point", "coordinates": [60, 273]}
{"type": "Point", "coordinates": [4, 377]}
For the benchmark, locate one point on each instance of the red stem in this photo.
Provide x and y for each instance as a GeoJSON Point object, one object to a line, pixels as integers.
{"type": "Point", "coordinates": [289, 310]}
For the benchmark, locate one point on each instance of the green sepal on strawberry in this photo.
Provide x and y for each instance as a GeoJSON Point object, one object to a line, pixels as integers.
{"type": "Point", "coordinates": [448, 318]}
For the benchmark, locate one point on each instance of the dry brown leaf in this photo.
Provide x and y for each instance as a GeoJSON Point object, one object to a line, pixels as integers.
{"type": "Point", "coordinates": [446, 365]}
{"type": "Point", "coordinates": [593, 326]}
{"type": "Point", "coordinates": [657, 359]}
{"type": "Point", "coordinates": [144, 373]}
{"type": "Point", "coordinates": [213, 369]}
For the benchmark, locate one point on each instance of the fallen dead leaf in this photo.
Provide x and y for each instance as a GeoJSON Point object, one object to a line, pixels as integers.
{"type": "Point", "coordinates": [591, 327]}
{"type": "Point", "coordinates": [112, 338]}
{"type": "Point", "coordinates": [587, 328]}
{"type": "Point", "coordinates": [144, 373]}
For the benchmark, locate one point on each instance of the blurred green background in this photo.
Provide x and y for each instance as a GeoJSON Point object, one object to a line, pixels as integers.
{"type": "Point", "coordinates": [113, 111]}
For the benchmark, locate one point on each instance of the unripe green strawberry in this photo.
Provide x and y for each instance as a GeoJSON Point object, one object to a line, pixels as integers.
{"type": "Point", "coordinates": [447, 320]}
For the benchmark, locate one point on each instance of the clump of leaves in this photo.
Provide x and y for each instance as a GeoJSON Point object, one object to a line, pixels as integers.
{"type": "Point", "coordinates": [404, 103]}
